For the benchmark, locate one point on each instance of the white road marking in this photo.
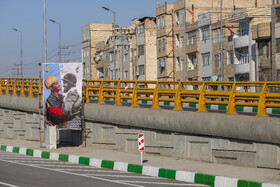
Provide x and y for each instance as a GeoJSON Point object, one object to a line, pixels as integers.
{"type": "Point", "coordinates": [63, 166]}
{"type": "Point", "coordinates": [161, 183]}
{"type": "Point", "coordinates": [93, 170]}
{"type": "Point", "coordinates": [81, 175]}
{"type": "Point", "coordinates": [6, 184]}
{"type": "Point", "coordinates": [124, 176]}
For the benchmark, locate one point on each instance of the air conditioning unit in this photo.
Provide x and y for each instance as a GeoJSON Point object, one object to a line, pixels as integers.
{"type": "Point", "coordinates": [137, 73]}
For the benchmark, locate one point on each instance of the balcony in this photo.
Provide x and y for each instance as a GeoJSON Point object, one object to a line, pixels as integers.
{"type": "Point", "coordinates": [241, 41]}
{"type": "Point", "coordinates": [242, 68]}
{"type": "Point", "coordinates": [261, 31]}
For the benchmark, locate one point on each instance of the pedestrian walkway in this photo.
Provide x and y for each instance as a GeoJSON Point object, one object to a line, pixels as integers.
{"type": "Point", "coordinates": [155, 165]}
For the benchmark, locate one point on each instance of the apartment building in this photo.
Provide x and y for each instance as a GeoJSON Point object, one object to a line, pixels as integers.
{"type": "Point", "coordinates": [173, 61]}
{"type": "Point", "coordinates": [244, 47]}
{"type": "Point", "coordinates": [146, 61]}
{"type": "Point", "coordinates": [192, 52]}
{"type": "Point", "coordinates": [261, 33]}
{"type": "Point", "coordinates": [91, 35]}
{"type": "Point", "coordinates": [275, 40]}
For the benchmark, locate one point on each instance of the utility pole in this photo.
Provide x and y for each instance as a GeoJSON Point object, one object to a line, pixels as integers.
{"type": "Point", "coordinates": [63, 54]}
{"type": "Point", "coordinates": [17, 74]}
{"type": "Point", "coordinates": [45, 33]}
{"type": "Point", "coordinates": [221, 37]}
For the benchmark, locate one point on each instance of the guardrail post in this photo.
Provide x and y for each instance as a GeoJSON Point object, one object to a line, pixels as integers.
{"type": "Point", "coordinates": [118, 94]}
{"type": "Point", "coordinates": [101, 94]}
{"type": "Point", "coordinates": [262, 102]}
{"type": "Point", "coordinates": [22, 87]}
{"type": "Point", "coordinates": [201, 102]}
{"type": "Point", "coordinates": [134, 99]}
{"type": "Point", "coordinates": [155, 97]}
{"type": "Point", "coordinates": [231, 102]}
{"type": "Point", "coordinates": [7, 87]}
{"type": "Point", "coordinates": [15, 87]}
{"type": "Point", "coordinates": [177, 102]}
{"type": "Point", "coordinates": [30, 92]}
{"type": "Point", "coordinates": [86, 92]}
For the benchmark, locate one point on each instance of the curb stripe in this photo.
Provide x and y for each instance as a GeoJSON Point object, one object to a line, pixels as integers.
{"type": "Point", "coordinates": [151, 171]}
{"type": "Point", "coordinates": [54, 156]}
{"type": "Point", "coordinates": [29, 152]}
{"type": "Point", "coordinates": [22, 151]}
{"type": "Point", "coordinates": [73, 159]}
{"type": "Point", "coordinates": [37, 153]}
{"type": "Point", "coordinates": [9, 149]}
{"type": "Point", "coordinates": [120, 166]}
{"type": "Point", "coordinates": [204, 179]}
{"type": "Point", "coordinates": [135, 168]}
{"type": "Point", "coordinates": [16, 150]}
{"type": "Point", "coordinates": [225, 181]}
{"type": "Point", "coordinates": [107, 164]}
{"type": "Point", "coordinates": [167, 173]}
{"type": "Point", "coordinates": [45, 154]}
{"type": "Point", "coordinates": [95, 162]}
{"type": "Point", "coordinates": [185, 176]}
{"type": "Point", "coordinates": [244, 183]}
{"type": "Point", "coordinates": [63, 157]}
{"type": "Point", "coordinates": [84, 160]}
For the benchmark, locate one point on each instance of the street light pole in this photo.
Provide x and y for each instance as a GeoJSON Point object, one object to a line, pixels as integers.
{"type": "Point", "coordinates": [20, 50]}
{"type": "Point", "coordinates": [59, 38]}
{"type": "Point", "coordinates": [114, 51]}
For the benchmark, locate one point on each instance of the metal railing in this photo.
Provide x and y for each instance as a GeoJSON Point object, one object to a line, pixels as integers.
{"type": "Point", "coordinates": [262, 95]}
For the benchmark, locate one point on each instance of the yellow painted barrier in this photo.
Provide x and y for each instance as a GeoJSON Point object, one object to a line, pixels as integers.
{"type": "Point", "coordinates": [262, 95]}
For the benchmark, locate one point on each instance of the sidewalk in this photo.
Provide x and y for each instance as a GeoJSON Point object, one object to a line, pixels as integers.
{"type": "Point", "coordinates": [170, 165]}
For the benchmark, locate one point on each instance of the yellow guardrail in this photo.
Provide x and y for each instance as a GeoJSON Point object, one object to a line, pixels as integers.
{"type": "Point", "coordinates": [262, 95]}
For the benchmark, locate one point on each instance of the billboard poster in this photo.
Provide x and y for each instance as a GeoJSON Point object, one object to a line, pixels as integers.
{"type": "Point", "coordinates": [62, 95]}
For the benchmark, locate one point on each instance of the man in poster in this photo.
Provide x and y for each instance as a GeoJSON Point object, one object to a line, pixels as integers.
{"type": "Point", "coordinates": [72, 100]}
{"type": "Point", "coordinates": [54, 103]}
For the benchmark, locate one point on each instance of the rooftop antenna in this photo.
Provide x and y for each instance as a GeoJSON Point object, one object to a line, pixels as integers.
{"type": "Point", "coordinates": [157, 3]}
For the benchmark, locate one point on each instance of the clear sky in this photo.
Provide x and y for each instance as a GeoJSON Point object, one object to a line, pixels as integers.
{"type": "Point", "coordinates": [27, 16]}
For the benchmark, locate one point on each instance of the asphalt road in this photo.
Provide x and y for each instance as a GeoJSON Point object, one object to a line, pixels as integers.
{"type": "Point", "coordinates": [22, 171]}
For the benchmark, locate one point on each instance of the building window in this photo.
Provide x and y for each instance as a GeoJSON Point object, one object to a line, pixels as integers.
{"type": "Point", "coordinates": [277, 45]}
{"type": "Point", "coordinates": [140, 29]}
{"type": "Point", "coordinates": [178, 64]}
{"type": "Point", "coordinates": [163, 44]}
{"type": "Point", "coordinates": [192, 38]}
{"type": "Point", "coordinates": [126, 57]}
{"type": "Point", "coordinates": [162, 63]}
{"type": "Point", "coordinates": [205, 59]}
{"type": "Point", "coordinates": [260, 47]}
{"type": "Point", "coordinates": [181, 41]}
{"type": "Point", "coordinates": [216, 36]}
{"type": "Point", "coordinates": [140, 50]}
{"type": "Point", "coordinates": [126, 74]}
{"type": "Point", "coordinates": [230, 57]}
{"type": "Point", "coordinates": [217, 61]}
{"type": "Point", "coordinates": [192, 63]}
{"type": "Point", "coordinates": [159, 45]}
{"type": "Point", "coordinates": [243, 56]}
{"type": "Point", "coordinates": [243, 29]}
{"type": "Point", "coordinates": [158, 22]}
{"type": "Point", "coordinates": [177, 18]}
{"type": "Point", "coordinates": [205, 33]}
{"type": "Point", "coordinates": [177, 40]}
{"type": "Point", "coordinates": [111, 57]}
{"type": "Point", "coordinates": [162, 22]}
{"type": "Point", "coordinates": [141, 70]}
{"type": "Point", "coordinates": [277, 14]}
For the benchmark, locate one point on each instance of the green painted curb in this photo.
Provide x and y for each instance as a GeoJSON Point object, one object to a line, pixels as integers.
{"type": "Point", "coordinates": [144, 101]}
{"type": "Point", "coordinates": [15, 149]}
{"type": "Point", "coordinates": [84, 160]}
{"type": "Point", "coordinates": [167, 173]}
{"type": "Point", "coordinates": [204, 179]}
{"type": "Point", "coordinates": [135, 168]}
{"type": "Point", "coordinates": [29, 152]}
{"type": "Point", "coordinates": [63, 157]}
{"type": "Point", "coordinates": [192, 105]}
{"type": "Point", "coordinates": [244, 183]}
{"type": "Point", "coordinates": [3, 147]}
{"type": "Point", "coordinates": [239, 108]}
{"type": "Point", "coordinates": [208, 106]}
{"type": "Point", "coordinates": [107, 164]}
{"type": "Point", "coordinates": [255, 109]}
{"type": "Point", "coordinates": [222, 107]}
{"type": "Point", "coordinates": [45, 154]}
{"type": "Point", "coordinates": [275, 111]}
{"type": "Point", "coordinates": [166, 103]}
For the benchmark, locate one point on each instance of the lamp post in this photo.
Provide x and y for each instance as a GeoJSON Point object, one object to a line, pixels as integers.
{"type": "Point", "coordinates": [20, 50]}
{"type": "Point", "coordinates": [59, 38]}
{"type": "Point", "coordinates": [114, 70]}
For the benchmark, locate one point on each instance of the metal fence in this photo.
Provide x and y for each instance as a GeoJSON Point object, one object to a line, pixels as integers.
{"type": "Point", "coordinates": [262, 95]}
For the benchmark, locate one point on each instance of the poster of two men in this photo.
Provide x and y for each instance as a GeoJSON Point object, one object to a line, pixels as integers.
{"type": "Point", "coordinates": [62, 95]}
